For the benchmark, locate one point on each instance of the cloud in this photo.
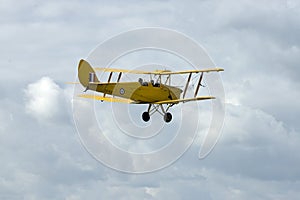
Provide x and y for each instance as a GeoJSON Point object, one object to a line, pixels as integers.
{"type": "Point", "coordinates": [256, 145]}
{"type": "Point", "coordinates": [256, 42]}
{"type": "Point", "coordinates": [44, 100]}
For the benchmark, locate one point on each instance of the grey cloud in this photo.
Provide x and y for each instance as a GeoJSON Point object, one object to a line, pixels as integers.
{"type": "Point", "coordinates": [256, 43]}
{"type": "Point", "coordinates": [256, 145]}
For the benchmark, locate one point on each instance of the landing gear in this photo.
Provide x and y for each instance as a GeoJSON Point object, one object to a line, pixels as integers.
{"type": "Point", "coordinates": [146, 116]}
{"type": "Point", "coordinates": [157, 108]}
{"type": "Point", "coordinates": [168, 117]}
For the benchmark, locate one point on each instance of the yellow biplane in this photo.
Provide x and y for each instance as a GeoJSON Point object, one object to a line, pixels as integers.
{"type": "Point", "coordinates": [155, 94]}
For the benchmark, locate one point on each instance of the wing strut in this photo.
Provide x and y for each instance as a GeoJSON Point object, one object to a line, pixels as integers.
{"type": "Point", "coordinates": [199, 84]}
{"type": "Point", "coordinates": [108, 81]}
{"type": "Point", "coordinates": [168, 79]}
{"type": "Point", "coordinates": [119, 77]}
{"type": "Point", "coordinates": [187, 85]}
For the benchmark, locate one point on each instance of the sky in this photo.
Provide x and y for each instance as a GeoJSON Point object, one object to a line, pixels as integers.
{"type": "Point", "coordinates": [256, 42]}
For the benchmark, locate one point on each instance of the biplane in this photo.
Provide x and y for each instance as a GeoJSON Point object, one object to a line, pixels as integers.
{"type": "Point", "coordinates": [159, 94]}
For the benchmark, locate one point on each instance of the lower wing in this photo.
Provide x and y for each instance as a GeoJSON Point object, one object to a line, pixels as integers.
{"type": "Point", "coordinates": [119, 100]}
{"type": "Point", "coordinates": [109, 99]}
{"type": "Point", "coordinates": [184, 100]}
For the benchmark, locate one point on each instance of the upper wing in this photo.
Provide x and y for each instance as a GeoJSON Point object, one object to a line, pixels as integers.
{"type": "Point", "coordinates": [193, 71]}
{"type": "Point", "coordinates": [158, 72]}
{"type": "Point", "coordinates": [184, 100]}
{"type": "Point", "coordinates": [109, 99]}
{"type": "Point", "coordinates": [121, 70]}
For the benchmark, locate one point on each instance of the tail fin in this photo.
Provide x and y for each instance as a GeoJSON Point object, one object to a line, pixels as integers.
{"type": "Point", "coordinates": [86, 73]}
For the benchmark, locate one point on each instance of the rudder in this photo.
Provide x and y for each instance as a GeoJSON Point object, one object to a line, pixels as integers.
{"type": "Point", "coordinates": [84, 71]}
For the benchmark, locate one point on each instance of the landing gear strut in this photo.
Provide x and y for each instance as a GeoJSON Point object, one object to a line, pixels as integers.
{"type": "Point", "coordinates": [160, 109]}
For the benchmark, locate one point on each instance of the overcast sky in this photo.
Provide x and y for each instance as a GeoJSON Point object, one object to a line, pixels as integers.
{"type": "Point", "coordinates": [256, 42]}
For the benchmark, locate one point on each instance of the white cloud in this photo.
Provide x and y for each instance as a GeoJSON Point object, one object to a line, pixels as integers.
{"type": "Point", "coordinates": [44, 100]}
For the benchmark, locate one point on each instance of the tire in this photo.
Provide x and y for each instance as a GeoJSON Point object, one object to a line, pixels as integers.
{"type": "Point", "coordinates": [145, 116]}
{"type": "Point", "coordinates": [168, 117]}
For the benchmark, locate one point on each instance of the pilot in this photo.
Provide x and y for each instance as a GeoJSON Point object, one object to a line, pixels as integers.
{"type": "Point", "coordinates": [157, 84]}
{"type": "Point", "coordinates": [141, 81]}
{"type": "Point", "coordinates": [144, 84]}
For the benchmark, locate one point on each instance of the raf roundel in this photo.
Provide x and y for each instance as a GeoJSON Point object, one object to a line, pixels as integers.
{"type": "Point", "coordinates": [122, 91]}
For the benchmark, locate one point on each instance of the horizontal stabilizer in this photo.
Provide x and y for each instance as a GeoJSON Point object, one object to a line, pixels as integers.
{"type": "Point", "coordinates": [72, 82]}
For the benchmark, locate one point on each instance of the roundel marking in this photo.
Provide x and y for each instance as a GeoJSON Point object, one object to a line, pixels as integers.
{"type": "Point", "coordinates": [122, 91]}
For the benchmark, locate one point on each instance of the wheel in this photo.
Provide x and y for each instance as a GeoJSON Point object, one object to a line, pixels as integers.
{"type": "Point", "coordinates": [146, 116]}
{"type": "Point", "coordinates": [168, 117]}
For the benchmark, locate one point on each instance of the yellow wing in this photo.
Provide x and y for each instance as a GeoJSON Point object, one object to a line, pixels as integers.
{"type": "Point", "coordinates": [184, 100]}
{"type": "Point", "coordinates": [158, 72]}
{"type": "Point", "coordinates": [193, 71]}
{"type": "Point", "coordinates": [121, 70]}
{"type": "Point", "coordinates": [109, 99]}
